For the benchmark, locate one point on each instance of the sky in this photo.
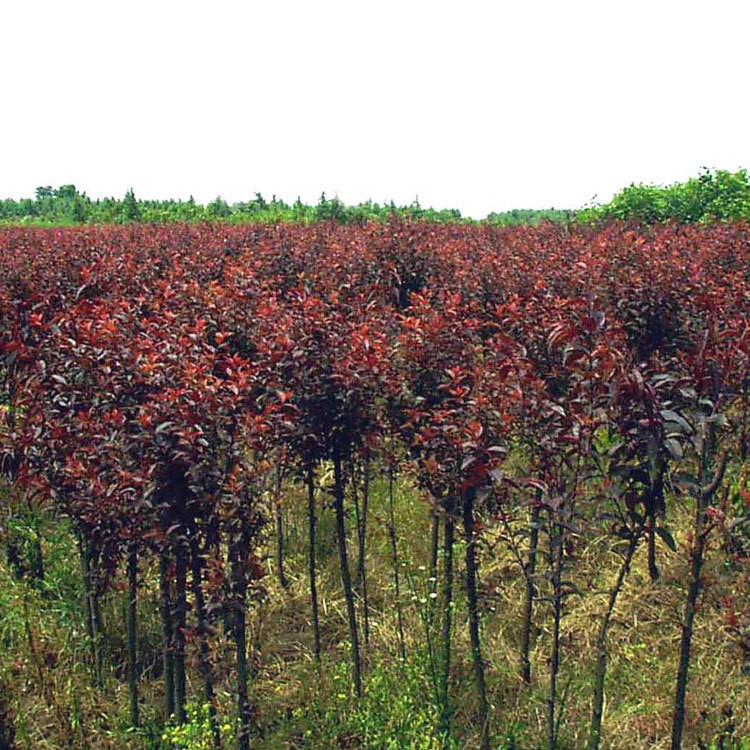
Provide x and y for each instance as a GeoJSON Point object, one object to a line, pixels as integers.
{"type": "Point", "coordinates": [480, 106]}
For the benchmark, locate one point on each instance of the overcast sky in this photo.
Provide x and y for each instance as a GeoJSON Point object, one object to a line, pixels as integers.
{"type": "Point", "coordinates": [480, 106]}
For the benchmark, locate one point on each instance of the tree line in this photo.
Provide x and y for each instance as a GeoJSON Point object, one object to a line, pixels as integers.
{"type": "Point", "coordinates": [66, 205]}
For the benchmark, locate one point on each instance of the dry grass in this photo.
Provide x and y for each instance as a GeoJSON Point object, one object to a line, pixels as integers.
{"type": "Point", "coordinates": [644, 642]}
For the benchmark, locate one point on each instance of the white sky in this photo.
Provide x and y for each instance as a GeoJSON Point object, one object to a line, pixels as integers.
{"type": "Point", "coordinates": [480, 106]}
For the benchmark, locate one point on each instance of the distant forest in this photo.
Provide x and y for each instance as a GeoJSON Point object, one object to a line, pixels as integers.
{"type": "Point", "coordinates": [713, 195]}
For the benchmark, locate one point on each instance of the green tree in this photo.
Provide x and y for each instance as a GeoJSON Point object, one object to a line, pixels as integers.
{"type": "Point", "coordinates": [130, 209]}
{"type": "Point", "coordinates": [218, 209]}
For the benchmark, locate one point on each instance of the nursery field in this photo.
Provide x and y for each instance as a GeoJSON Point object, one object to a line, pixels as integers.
{"type": "Point", "coordinates": [375, 485]}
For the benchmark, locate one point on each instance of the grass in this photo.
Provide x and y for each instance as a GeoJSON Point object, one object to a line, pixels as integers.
{"type": "Point", "coordinates": [46, 682]}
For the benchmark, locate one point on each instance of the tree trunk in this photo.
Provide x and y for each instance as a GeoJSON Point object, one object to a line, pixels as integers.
{"type": "Point", "coordinates": [434, 548]}
{"type": "Point", "coordinates": [37, 558]}
{"type": "Point", "coordinates": [706, 493]}
{"type": "Point", "coordinates": [93, 616]}
{"type": "Point", "coordinates": [279, 519]}
{"type": "Point", "coordinates": [180, 625]}
{"type": "Point", "coordinates": [167, 631]}
{"type": "Point", "coordinates": [345, 576]}
{"type": "Point", "coordinates": [395, 562]}
{"type": "Point", "coordinates": [238, 558]}
{"type": "Point", "coordinates": [653, 568]}
{"type": "Point", "coordinates": [133, 633]}
{"type": "Point", "coordinates": [556, 559]}
{"type": "Point", "coordinates": [203, 647]}
{"type": "Point", "coordinates": [471, 598]}
{"type": "Point", "coordinates": [530, 593]}
{"type": "Point", "coordinates": [433, 566]}
{"type": "Point", "coordinates": [601, 644]}
{"type": "Point", "coordinates": [362, 547]}
{"type": "Point", "coordinates": [696, 564]}
{"type": "Point", "coordinates": [447, 606]}
{"type": "Point", "coordinates": [312, 566]}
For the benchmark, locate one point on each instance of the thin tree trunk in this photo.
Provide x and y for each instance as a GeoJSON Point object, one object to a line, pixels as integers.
{"type": "Point", "coordinates": [93, 618]}
{"type": "Point", "coordinates": [360, 511]}
{"type": "Point", "coordinates": [133, 633]}
{"type": "Point", "coordinates": [530, 593]}
{"type": "Point", "coordinates": [363, 546]}
{"type": "Point", "coordinates": [595, 731]}
{"type": "Point", "coordinates": [90, 632]}
{"type": "Point", "coordinates": [37, 561]}
{"type": "Point", "coordinates": [702, 501]}
{"type": "Point", "coordinates": [279, 519]}
{"type": "Point", "coordinates": [433, 566]}
{"type": "Point", "coordinates": [353, 474]}
{"type": "Point", "coordinates": [447, 606]}
{"type": "Point", "coordinates": [203, 647]}
{"type": "Point", "coordinates": [556, 554]}
{"type": "Point", "coordinates": [96, 608]}
{"type": "Point", "coordinates": [345, 576]}
{"type": "Point", "coordinates": [37, 569]}
{"type": "Point", "coordinates": [696, 564]}
{"type": "Point", "coordinates": [434, 548]}
{"type": "Point", "coordinates": [312, 566]}
{"type": "Point", "coordinates": [167, 633]}
{"type": "Point", "coordinates": [238, 555]}
{"type": "Point", "coordinates": [180, 624]}
{"type": "Point", "coordinates": [395, 562]}
{"type": "Point", "coordinates": [471, 597]}
{"type": "Point", "coordinates": [653, 568]}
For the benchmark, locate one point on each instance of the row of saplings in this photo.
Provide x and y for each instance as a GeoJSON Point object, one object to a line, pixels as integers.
{"type": "Point", "coordinates": [209, 554]}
